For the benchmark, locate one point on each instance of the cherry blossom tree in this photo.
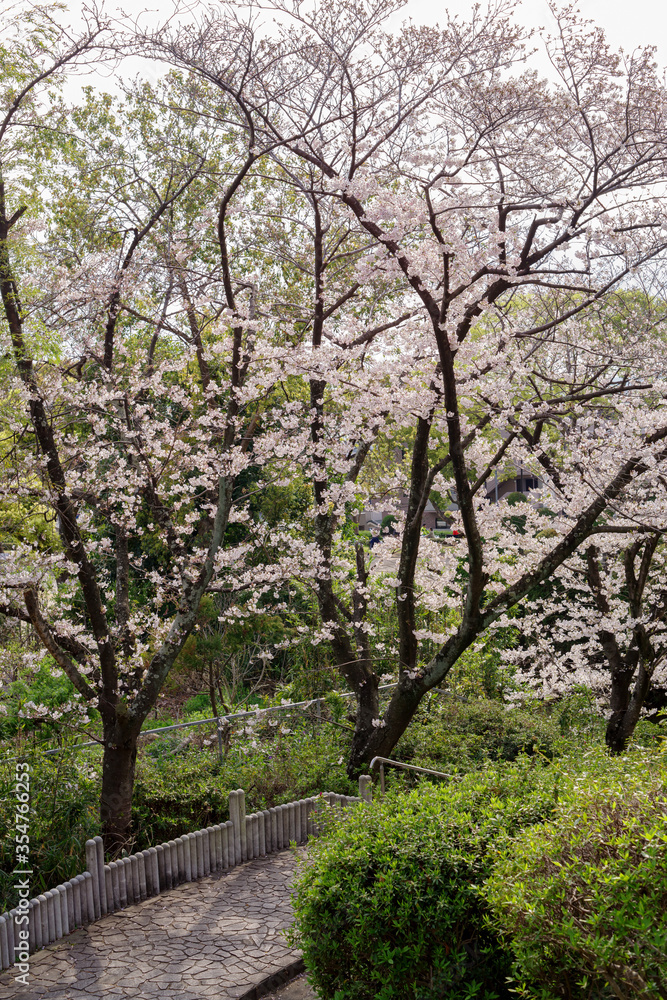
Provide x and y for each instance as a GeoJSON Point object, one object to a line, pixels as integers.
{"type": "Point", "coordinates": [498, 208]}
{"type": "Point", "coordinates": [130, 423]}
{"type": "Point", "coordinates": [605, 627]}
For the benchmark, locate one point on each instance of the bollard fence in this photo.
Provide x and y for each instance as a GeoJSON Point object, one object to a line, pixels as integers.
{"type": "Point", "coordinates": [105, 888]}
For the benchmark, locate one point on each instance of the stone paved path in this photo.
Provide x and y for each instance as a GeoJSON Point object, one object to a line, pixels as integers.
{"type": "Point", "coordinates": [214, 938]}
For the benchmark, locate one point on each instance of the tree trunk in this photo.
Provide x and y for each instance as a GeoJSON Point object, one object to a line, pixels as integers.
{"type": "Point", "coordinates": [211, 689]}
{"type": "Point", "coordinates": [379, 741]}
{"type": "Point", "coordinates": [626, 708]}
{"type": "Point", "coordinates": [118, 765]}
{"type": "Point", "coordinates": [368, 709]}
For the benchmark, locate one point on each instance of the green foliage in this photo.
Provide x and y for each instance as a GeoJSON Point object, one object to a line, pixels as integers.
{"type": "Point", "coordinates": [177, 793]}
{"type": "Point", "coordinates": [388, 904]}
{"type": "Point", "coordinates": [459, 737]}
{"type": "Point", "coordinates": [64, 806]}
{"type": "Point", "coordinates": [583, 898]}
{"type": "Point", "coordinates": [43, 688]}
{"type": "Point", "coordinates": [198, 703]}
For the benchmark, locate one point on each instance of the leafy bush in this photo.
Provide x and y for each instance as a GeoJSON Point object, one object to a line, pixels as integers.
{"type": "Point", "coordinates": [458, 737]}
{"type": "Point", "coordinates": [178, 793]}
{"type": "Point", "coordinates": [65, 791]}
{"type": "Point", "coordinates": [388, 904]}
{"type": "Point", "coordinates": [583, 898]}
{"type": "Point", "coordinates": [198, 703]}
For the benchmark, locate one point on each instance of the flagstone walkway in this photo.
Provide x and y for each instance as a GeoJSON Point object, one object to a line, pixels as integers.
{"type": "Point", "coordinates": [214, 938]}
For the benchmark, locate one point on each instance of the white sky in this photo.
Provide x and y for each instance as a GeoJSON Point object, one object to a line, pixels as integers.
{"type": "Point", "coordinates": [628, 23]}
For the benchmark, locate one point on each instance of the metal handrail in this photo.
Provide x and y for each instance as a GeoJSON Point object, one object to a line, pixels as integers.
{"type": "Point", "coordinates": [219, 720]}
{"type": "Point", "coordinates": [404, 767]}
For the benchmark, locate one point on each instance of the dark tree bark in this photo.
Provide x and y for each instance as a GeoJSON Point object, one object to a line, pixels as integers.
{"type": "Point", "coordinates": [118, 767]}
{"type": "Point", "coordinates": [631, 668]}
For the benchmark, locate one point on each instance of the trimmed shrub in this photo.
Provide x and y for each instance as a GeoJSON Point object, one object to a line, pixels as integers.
{"type": "Point", "coordinates": [583, 898]}
{"type": "Point", "coordinates": [388, 905]}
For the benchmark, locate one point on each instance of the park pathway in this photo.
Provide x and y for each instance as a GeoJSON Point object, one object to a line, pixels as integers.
{"type": "Point", "coordinates": [215, 938]}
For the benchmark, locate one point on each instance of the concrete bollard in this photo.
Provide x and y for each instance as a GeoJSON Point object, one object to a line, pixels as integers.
{"type": "Point", "coordinates": [51, 911]}
{"type": "Point", "coordinates": [126, 869]}
{"type": "Point", "coordinates": [122, 883]}
{"type": "Point", "coordinates": [277, 819]}
{"type": "Point", "coordinates": [247, 856]}
{"type": "Point", "coordinates": [180, 858]}
{"type": "Point", "coordinates": [129, 880]}
{"type": "Point", "coordinates": [32, 905]}
{"type": "Point", "coordinates": [187, 860]}
{"type": "Point", "coordinates": [76, 896]}
{"type": "Point", "coordinates": [100, 875]}
{"type": "Point", "coordinates": [71, 920]}
{"type": "Point", "coordinates": [44, 916]}
{"type": "Point", "coordinates": [92, 866]}
{"type": "Point", "coordinates": [242, 826]}
{"type": "Point", "coordinates": [90, 899]}
{"type": "Point", "coordinates": [224, 846]}
{"type": "Point", "coordinates": [212, 849]}
{"type": "Point", "coordinates": [36, 925]}
{"type": "Point", "coordinates": [10, 933]}
{"type": "Point", "coordinates": [154, 870]}
{"type": "Point", "coordinates": [231, 856]}
{"type": "Point", "coordinates": [61, 911]}
{"type": "Point", "coordinates": [218, 846]}
{"type": "Point", "coordinates": [160, 867]}
{"type": "Point", "coordinates": [194, 854]}
{"type": "Point", "coordinates": [4, 943]}
{"type": "Point", "coordinates": [143, 884]}
{"type": "Point", "coordinates": [265, 832]}
{"type": "Point", "coordinates": [168, 873]}
{"type": "Point", "coordinates": [273, 813]}
{"type": "Point", "coordinates": [234, 820]}
{"type": "Point", "coordinates": [206, 847]}
{"type": "Point", "coordinates": [136, 885]}
{"type": "Point", "coordinates": [115, 884]}
{"type": "Point", "coordinates": [199, 855]}
{"type": "Point", "coordinates": [365, 788]}
{"type": "Point", "coordinates": [247, 853]}
{"type": "Point", "coordinates": [152, 875]}
{"type": "Point", "coordinates": [108, 883]}
{"type": "Point", "coordinates": [175, 872]}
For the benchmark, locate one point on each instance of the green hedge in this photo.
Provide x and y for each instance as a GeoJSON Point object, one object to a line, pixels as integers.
{"type": "Point", "coordinates": [583, 899]}
{"type": "Point", "coordinates": [541, 880]}
{"type": "Point", "coordinates": [388, 906]}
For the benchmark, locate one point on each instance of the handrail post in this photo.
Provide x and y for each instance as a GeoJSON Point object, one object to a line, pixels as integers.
{"type": "Point", "coordinates": [382, 779]}
{"type": "Point", "coordinates": [219, 728]}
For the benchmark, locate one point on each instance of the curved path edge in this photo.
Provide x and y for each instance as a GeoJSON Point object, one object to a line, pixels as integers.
{"type": "Point", "coordinates": [275, 981]}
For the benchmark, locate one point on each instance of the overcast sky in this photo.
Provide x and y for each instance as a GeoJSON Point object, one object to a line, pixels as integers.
{"type": "Point", "coordinates": [628, 23]}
